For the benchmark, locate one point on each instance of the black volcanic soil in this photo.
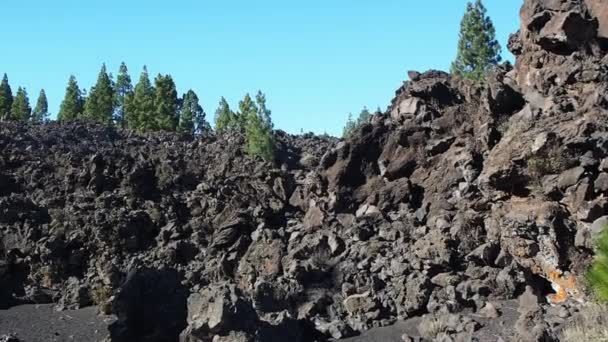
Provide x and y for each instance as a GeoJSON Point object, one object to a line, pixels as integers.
{"type": "Point", "coordinates": [42, 323]}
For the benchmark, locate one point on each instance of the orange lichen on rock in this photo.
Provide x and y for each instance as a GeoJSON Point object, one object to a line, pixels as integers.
{"type": "Point", "coordinates": [565, 287]}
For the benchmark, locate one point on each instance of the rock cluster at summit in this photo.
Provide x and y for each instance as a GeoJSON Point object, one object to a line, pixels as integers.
{"type": "Point", "coordinates": [463, 201]}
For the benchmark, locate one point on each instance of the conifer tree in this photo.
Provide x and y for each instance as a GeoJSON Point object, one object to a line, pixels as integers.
{"type": "Point", "coordinates": [349, 127]}
{"type": "Point", "coordinates": [224, 117]}
{"type": "Point", "coordinates": [41, 111]}
{"type": "Point", "coordinates": [6, 99]}
{"type": "Point", "coordinates": [21, 110]}
{"type": "Point", "coordinates": [99, 106]}
{"type": "Point", "coordinates": [263, 111]}
{"type": "Point", "coordinates": [140, 109]}
{"type": "Point", "coordinates": [123, 93]}
{"type": "Point", "coordinates": [478, 49]}
{"type": "Point", "coordinates": [258, 128]}
{"type": "Point", "coordinates": [246, 110]}
{"type": "Point", "coordinates": [192, 116]}
{"type": "Point", "coordinates": [73, 102]}
{"type": "Point", "coordinates": [364, 116]}
{"type": "Point", "coordinates": [165, 103]}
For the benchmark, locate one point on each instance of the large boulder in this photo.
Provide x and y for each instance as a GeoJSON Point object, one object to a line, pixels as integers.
{"type": "Point", "coordinates": [599, 9]}
{"type": "Point", "coordinates": [151, 305]}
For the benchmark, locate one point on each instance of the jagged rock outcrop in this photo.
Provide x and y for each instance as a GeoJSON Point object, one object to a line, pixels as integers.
{"type": "Point", "coordinates": [461, 198]}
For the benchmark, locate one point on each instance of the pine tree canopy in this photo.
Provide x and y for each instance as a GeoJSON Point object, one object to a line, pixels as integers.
{"type": "Point", "coordinates": [99, 106]}
{"type": "Point", "coordinates": [478, 49]}
{"type": "Point", "coordinates": [247, 108]}
{"type": "Point", "coordinates": [192, 116]}
{"type": "Point", "coordinates": [351, 125]}
{"type": "Point", "coordinates": [364, 116]}
{"type": "Point", "coordinates": [20, 109]}
{"type": "Point", "coordinates": [258, 127]}
{"type": "Point", "coordinates": [224, 117]}
{"type": "Point", "coordinates": [123, 91]}
{"type": "Point", "coordinates": [140, 109]}
{"type": "Point", "coordinates": [263, 112]}
{"type": "Point", "coordinates": [6, 98]}
{"type": "Point", "coordinates": [41, 111]}
{"type": "Point", "coordinates": [165, 103]}
{"type": "Point", "coordinates": [72, 105]}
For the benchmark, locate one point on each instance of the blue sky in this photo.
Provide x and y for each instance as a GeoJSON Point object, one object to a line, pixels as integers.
{"type": "Point", "coordinates": [317, 60]}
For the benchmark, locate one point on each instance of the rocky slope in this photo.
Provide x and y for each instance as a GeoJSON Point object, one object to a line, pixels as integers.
{"type": "Point", "coordinates": [459, 200]}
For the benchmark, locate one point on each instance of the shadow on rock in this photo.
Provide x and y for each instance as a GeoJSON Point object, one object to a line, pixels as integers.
{"type": "Point", "coordinates": [151, 306]}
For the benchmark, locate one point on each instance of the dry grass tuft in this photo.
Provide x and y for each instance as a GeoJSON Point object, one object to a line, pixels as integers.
{"type": "Point", "coordinates": [591, 324]}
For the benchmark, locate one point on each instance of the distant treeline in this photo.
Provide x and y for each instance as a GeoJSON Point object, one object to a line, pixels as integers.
{"type": "Point", "coordinates": [144, 108]}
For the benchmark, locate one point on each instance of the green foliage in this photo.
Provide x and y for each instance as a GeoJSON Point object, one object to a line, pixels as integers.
{"type": "Point", "coordinates": [478, 49]}
{"type": "Point", "coordinates": [224, 117]}
{"type": "Point", "coordinates": [140, 109]}
{"type": "Point", "coordinates": [99, 106]}
{"type": "Point", "coordinates": [6, 98]}
{"type": "Point", "coordinates": [41, 111]}
{"type": "Point", "coordinates": [352, 125]}
{"type": "Point", "coordinates": [349, 127]}
{"type": "Point", "coordinates": [21, 110]}
{"type": "Point", "coordinates": [258, 127]}
{"type": "Point", "coordinates": [72, 105]}
{"type": "Point", "coordinates": [263, 111]}
{"type": "Point", "coordinates": [191, 115]}
{"type": "Point", "coordinates": [247, 110]}
{"type": "Point", "coordinates": [597, 275]}
{"type": "Point", "coordinates": [165, 103]}
{"type": "Point", "coordinates": [123, 92]}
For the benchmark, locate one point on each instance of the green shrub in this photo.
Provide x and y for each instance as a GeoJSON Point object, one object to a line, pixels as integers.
{"type": "Point", "coordinates": [597, 275]}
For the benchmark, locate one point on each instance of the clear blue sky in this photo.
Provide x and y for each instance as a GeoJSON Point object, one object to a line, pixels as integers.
{"type": "Point", "coordinates": [317, 60]}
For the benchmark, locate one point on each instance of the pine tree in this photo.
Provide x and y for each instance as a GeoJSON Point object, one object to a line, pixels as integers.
{"type": "Point", "coordinates": [99, 106]}
{"type": "Point", "coordinates": [349, 127]}
{"type": "Point", "coordinates": [140, 108]}
{"type": "Point", "coordinates": [352, 125]}
{"type": "Point", "coordinates": [478, 49]}
{"type": "Point", "coordinates": [41, 111]}
{"type": "Point", "coordinates": [20, 109]}
{"type": "Point", "coordinates": [165, 103]}
{"type": "Point", "coordinates": [224, 117]}
{"type": "Point", "coordinates": [364, 117]}
{"type": "Point", "coordinates": [192, 116]}
{"type": "Point", "coordinates": [6, 99]}
{"type": "Point", "coordinates": [73, 102]}
{"type": "Point", "coordinates": [263, 112]}
{"type": "Point", "coordinates": [246, 110]}
{"type": "Point", "coordinates": [258, 127]}
{"type": "Point", "coordinates": [123, 92]}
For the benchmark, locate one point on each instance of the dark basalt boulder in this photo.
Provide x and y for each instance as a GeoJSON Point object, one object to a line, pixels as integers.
{"type": "Point", "coordinates": [151, 305]}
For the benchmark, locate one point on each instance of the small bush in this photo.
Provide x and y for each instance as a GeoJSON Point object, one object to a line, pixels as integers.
{"type": "Point", "coordinates": [548, 162]}
{"type": "Point", "coordinates": [503, 124]}
{"type": "Point", "coordinates": [321, 258]}
{"type": "Point", "coordinates": [597, 276]}
{"type": "Point", "coordinates": [591, 324]}
{"type": "Point", "coordinates": [47, 276]}
{"type": "Point", "coordinates": [101, 295]}
{"type": "Point", "coordinates": [431, 326]}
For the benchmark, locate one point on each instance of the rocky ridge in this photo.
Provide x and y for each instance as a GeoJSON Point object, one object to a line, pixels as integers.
{"type": "Point", "coordinates": [462, 198]}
